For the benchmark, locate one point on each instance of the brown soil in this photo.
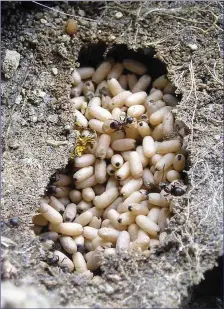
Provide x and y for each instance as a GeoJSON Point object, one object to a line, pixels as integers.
{"type": "Point", "coordinates": [33, 148]}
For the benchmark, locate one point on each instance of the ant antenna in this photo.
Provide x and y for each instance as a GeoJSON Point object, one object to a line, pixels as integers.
{"type": "Point", "coordinates": [163, 172]}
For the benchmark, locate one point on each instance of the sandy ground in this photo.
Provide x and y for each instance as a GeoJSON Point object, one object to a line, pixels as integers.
{"type": "Point", "coordinates": [187, 38]}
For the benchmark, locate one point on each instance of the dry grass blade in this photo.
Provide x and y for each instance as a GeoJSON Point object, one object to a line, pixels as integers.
{"type": "Point", "coordinates": [63, 13]}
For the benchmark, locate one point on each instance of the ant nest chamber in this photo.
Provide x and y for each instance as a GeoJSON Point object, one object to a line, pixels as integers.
{"type": "Point", "coordinates": [127, 165]}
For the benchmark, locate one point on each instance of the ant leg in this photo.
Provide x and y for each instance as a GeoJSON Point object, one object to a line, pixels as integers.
{"type": "Point", "coordinates": [57, 257]}
{"type": "Point", "coordinates": [123, 129]}
{"type": "Point", "coordinates": [166, 196]}
{"type": "Point", "coordinates": [122, 119]}
{"type": "Point", "coordinates": [63, 259]}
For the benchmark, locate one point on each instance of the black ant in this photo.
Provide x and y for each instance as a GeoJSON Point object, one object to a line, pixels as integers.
{"type": "Point", "coordinates": [54, 178]}
{"type": "Point", "coordinates": [89, 95]}
{"type": "Point", "coordinates": [50, 190]}
{"type": "Point", "coordinates": [81, 249]}
{"type": "Point", "coordinates": [12, 221]}
{"type": "Point", "coordinates": [53, 260]}
{"type": "Point", "coordinates": [173, 190]}
{"type": "Point", "coordinates": [120, 125]}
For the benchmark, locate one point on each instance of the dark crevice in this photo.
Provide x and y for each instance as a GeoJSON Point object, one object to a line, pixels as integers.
{"type": "Point", "coordinates": [93, 54]}
{"type": "Point", "coordinates": [155, 67]}
{"type": "Point", "coordinates": [209, 293]}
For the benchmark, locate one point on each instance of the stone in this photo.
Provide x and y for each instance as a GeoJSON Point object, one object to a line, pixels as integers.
{"type": "Point", "coordinates": [118, 15]}
{"type": "Point", "coordinates": [13, 144]}
{"type": "Point", "coordinates": [34, 118]}
{"type": "Point", "coordinates": [193, 46]}
{"type": "Point", "coordinates": [111, 38]}
{"type": "Point", "coordinates": [81, 13]}
{"type": "Point", "coordinates": [53, 118]}
{"type": "Point", "coordinates": [10, 63]}
{"type": "Point", "coordinates": [23, 297]}
{"type": "Point", "coordinates": [54, 71]}
{"type": "Point", "coordinates": [65, 38]}
{"type": "Point", "coordinates": [62, 51]}
{"type": "Point", "coordinates": [40, 93]}
{"type": "Point", "coordinates": [108, 289]}
{"type": "Point", "coordinates": [18, 99]}
{"type": "Point", "coordinates": [43, 21]}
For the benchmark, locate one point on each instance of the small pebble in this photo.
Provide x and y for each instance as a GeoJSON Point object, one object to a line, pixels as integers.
{"type": "Point", "coordinates": [65, 38]}
{"type": "Point", "coordinates": [193, 46]}
{"type": "Point", "coordinates": [217, 137]}
{"type": "Point", "coordinates": [57, 20]}
{"type": "Point", "coordinates": [111, 38]}
{"type": "Point", "coordinates": [68, 128]}
{"type": "Point", "coordinates": [10, 63]}
{"type": "Point", "coordinates": [43, 21]}
{"type": "Point", "coordinates": [13, 144]}
{"type": "Point", "coordinates": [62, 51]}
{"type": "Point", "coordinates": [108, 289]}
{"type": "Point", "coordinates": [114, 278]}
{"type": "Point", "coordinates": [34, 118]}
{"type": "Point", "coordinates": [53, 118]}
{"type": "Point", "coordinates": [81, 13]}
{"type": "Point", "coordinates": [18, 99]}
{"type": "Point", "coordinates": [118, 15]}
{"type": "Point", "coordinates": [41, 93]}
{"type": "Point", "coordinates": [55, 71]}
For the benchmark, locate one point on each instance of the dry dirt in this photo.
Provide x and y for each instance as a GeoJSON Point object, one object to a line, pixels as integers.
{"type": "Point", "coordinates": [34, 146]}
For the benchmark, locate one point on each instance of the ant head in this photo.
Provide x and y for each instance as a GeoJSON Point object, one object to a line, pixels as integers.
{"type": "Point", "coordinates": [103, 91]}
{"type": "Point", "coordinates": [114, 125]}
{"type": "Point", "coordinates": [162, 185]}
{"type": "Point", "coordinates": [179, 157]}
{"type": "Point", "coordinates": [54, 178]}
{"type": "Point", "coordinates": [53, 260]}
{"type": "Point", "coordinates": [130, 120]}
{"type": "Point", "coordinates": [144, 117]}
{"type": "Point", "coordinates": [50, 190]}
{"type": "Point", "coordinates": [88, 83]}
{"type": "Point", "coordinates": [81, 248]}
{"type": "Point", "coordinates": [89, 95]}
